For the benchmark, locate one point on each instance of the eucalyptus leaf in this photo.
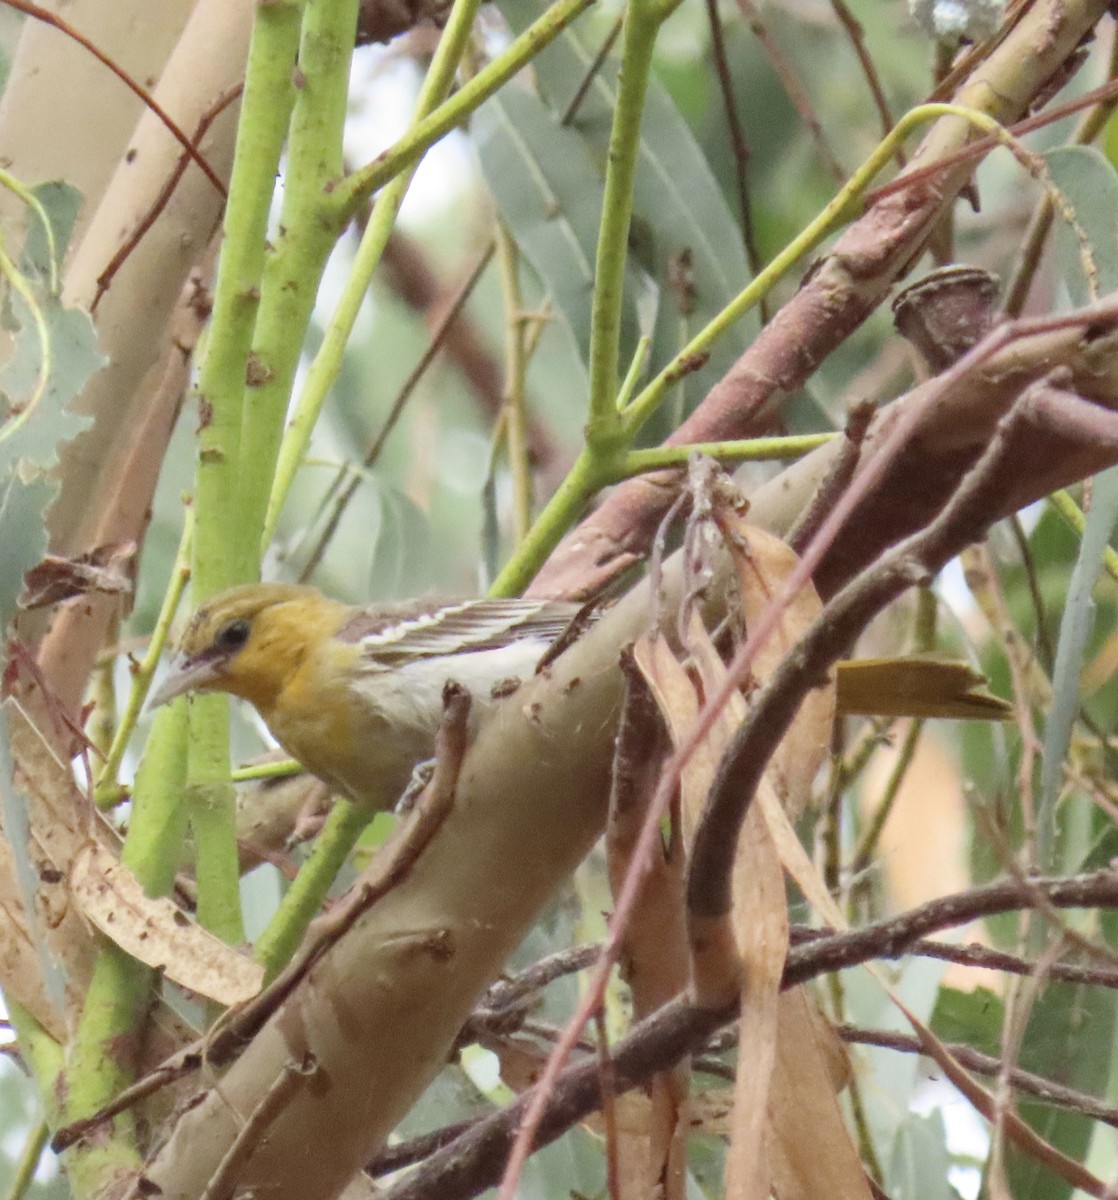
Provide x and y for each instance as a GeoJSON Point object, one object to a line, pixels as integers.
{"type": "Point", "coordinates": [918, 1166]}
{"type": "Point", "coordinates": [549, 191]}
{"type": "Point", "coordinates": [34, 422]}
{"type": "Point", "coordinates": [974, 1017]}
{"type": "Point", "coordinates": [61, 202]}
{"type": "Point", "coordinates": [1075, 628]}
{"type": "Point", "coordinates": [1089, 184]}
{"type": "Point", "coordinates": [679, 210]}
{"type": "Point", "coordinates": [1070, 1037]}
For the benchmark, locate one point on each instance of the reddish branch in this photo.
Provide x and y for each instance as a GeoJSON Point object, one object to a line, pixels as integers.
{"type": "Point", "coordinates": [475, 1160]}
{"type": "Point", "coordinates": [1044, 420]}
{"type": "Point", "coordinates": [833, 301]}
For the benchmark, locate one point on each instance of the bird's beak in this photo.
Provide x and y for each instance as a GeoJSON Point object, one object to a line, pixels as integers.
{"type": "Point", "coordinates": [188, 675]}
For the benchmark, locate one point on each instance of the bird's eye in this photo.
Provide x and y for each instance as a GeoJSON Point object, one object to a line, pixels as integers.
{"type": "Point", "coordinates": [233, 635]}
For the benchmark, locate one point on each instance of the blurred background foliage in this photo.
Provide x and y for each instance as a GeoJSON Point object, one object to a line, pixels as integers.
{"type": "Point", "coordinates": [433, 512]}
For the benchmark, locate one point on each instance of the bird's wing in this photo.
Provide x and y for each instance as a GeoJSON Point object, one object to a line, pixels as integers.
{"type": "Point", "coordinates": [394, 635]}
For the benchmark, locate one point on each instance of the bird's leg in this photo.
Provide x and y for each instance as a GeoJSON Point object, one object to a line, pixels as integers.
{"type": "Point", "coordinates": [421, 776]}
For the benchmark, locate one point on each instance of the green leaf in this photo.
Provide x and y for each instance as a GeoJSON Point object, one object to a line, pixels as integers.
{"type": "Point", "coordinates": [972, 1017]}
{"type": "Point", "coordinates": [1069, 1037]}
{"type": "Point", "coordinates": [1075, 628]}
{"type": "Point", "coordinates": [61, 202]}
{"type": "Point", "coordinates": [919, 1163]}
{"type": "Point", "coordinates": [549, 191]}
{"type": "Point", "coordinates": [1089, 184]}
{"type": "Point", "coordinates": [30, 438]}
{"type": "Point", "coordinates": [678, 206]}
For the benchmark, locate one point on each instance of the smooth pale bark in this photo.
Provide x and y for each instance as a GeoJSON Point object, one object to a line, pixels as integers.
{"type": "Point", "coordinates": [63, 114]}
{"type": "Point", "coordinates": [109, 473]}
{"type": "Point", "coordinates": [132, 315]}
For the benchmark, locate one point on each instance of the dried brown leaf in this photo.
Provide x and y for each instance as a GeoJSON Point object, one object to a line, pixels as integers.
{"type": "Point", "coordinates": [763, 563]}
{"type": "Point", "coordinates": [157, 932]}
{"type": "Point", "coordinates": [44, 933]}
{"type": "Point", "coordinates": [755, 940]}
{"type": "Point", "coordinates": [917, 686]}
{"type": "Point", "coordinates": [810, 1148]}
{"type": "Point", "coordinates": [715, 962]}
{"type": "Point", "coordinates": [106, 569]}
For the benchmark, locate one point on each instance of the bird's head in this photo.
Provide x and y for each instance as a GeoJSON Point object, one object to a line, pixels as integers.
{"type": "Point", "coordinates": [249, 641]}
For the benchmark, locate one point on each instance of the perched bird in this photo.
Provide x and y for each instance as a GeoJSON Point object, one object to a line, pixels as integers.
{"type": "Point", "coordinates": [355, 694]}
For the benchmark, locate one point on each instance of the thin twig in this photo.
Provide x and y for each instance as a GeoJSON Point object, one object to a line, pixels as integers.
{"type": "Point", "coordinates": [48, 18]}
{"type": "Point", "coordinates": [163, 198]}
{"type": "Point", "coordinates": [790, 80]}
{"type": "Point", "coordinates": [1048, 1091]}
{"type": "Point", "coordinates": [853, 27]}
{"type": "Point", "coordinates": [738, 146]}
{"type": "Point", "coordinates": [434, 345]}
{"type": "Point", "coordinates": [277, 1097]}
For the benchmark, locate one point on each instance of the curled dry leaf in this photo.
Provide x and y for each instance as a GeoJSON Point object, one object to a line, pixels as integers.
{"type": "Point", "coordinates": [775, 1134]}
{"type": "Point", "coordinates": [157, 932]}
{"type": "Point", "coordinates": [106, 569]}
{"type": "Point", "coordinates": [651, 1149]}
{"type": "Point", "coordinates": [763, 563]}
{"type": "Point", "coordinates": [919, 685]}
{"type": "Point", "coordinates": [753, 944]}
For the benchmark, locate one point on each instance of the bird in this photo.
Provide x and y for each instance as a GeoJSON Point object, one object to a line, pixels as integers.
{"type": "Point", "coordinates": [355, 694]}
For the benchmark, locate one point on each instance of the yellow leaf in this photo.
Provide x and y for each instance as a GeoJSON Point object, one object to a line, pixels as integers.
{"type": "Point", "coordinates": [917, 686]}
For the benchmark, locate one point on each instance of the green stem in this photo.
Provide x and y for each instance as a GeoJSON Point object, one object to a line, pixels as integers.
{"type": "Point", "coordinates": [269, 770]}
{"type": "Point", "coordinates": [24, 193]}
{"type": "Point", "coordinates": [107, 791]}
{"type": "Point", "coordinates": [351, 194]}
{"type": "Point", "coordinates": [212, 806]}
{"type": "Point", "coordinates": [636, 370]}
{"type": "Point", "coordinates": [153, 846]}
{"type": "Point", "coordinates": [24, 1172]}
{"type": "Point", "coordinates": [1066, 506]}
{"type": "Point", "coordinates": [863, 855]}
{"type": "Point", "coordinates": [308, 231]}
{"type": "Point", "coordinates": [585, 477]}
{"type": "Point", "coordinates": [638, 41]}
{"type": "Point", "coordinates": [327, 362]}
{"type": "Point", "coordinates": [101, 1061]}
{"type": "Point", "coordinates": [606, 450]}
{"type": "Point", "coordinates": [104, 1051]}
{"type": "Point", "coordinates": [780, 449]}
{"type": "Point", "coordinates": [41, 1054]}
{"type": "Point", "coordinates": [265, 108]}
{"type": "Point", "coordinates": [516, 370]}
{"type": "Point", "coordinates": [217, 560]}
{"type": "Point", "coordinates": [304, 898]}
